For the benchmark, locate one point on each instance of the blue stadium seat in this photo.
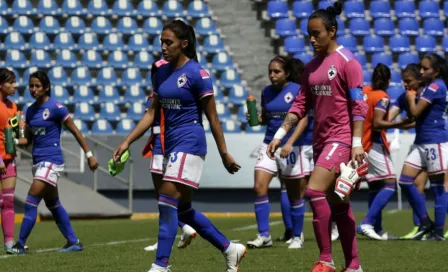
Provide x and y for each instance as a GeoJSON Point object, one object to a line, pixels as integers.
{"type": "Point", "coordinates": [361, 59]}
{"type": "Point", "coordinates": [241, 114]}
{"type": "Point", "coordinates": [359, 27]}
{"type": "Point", "coordinates": [72, 7]}
{"type": "Point", "coordinates": [198, 9]}
{"type": "Point", "coordinates": [123, 8]}
{"type": "Point", "coordinates": [81, 76]}
{"type": "Point", "coordinates": [380, 9]}
{"type": "Point", "coordinates": [113, 42]}
{"type": "Point", "coordinates": [136, 111]}
{"type": "Point", "coordinates": [256, 129]}
{"type": "Point", "coordinates": [147, 8]}
{"type": "Point", "coordinates": [238, 94]}
{"type": "Point", "coordinates": [66, 58]}
{"type": "Point", "coordinates": [341, 27]}
{"type": "Point", "coordinates": [384, 58]}
{"type": "Point", "coordinates": [49, 25]}
{"type": "Point", "coordinates": [58, 76]}
{"type": "Point", "coordinates": [428, 9]}
{"type": "Point", "coordinates": [40, 40]}
{"type": "Point", "coordinates": [373, 43]}
{"type": "Point", "coordinates": [88, 41]}
{"type": "Point", "coordinates": [304, 27]}
{"type": "Point", "coordinates": [19, 80]}
{"type": "Point", "coordinates": [64, 40]}
{"type": "Point", "coordinates": [408, 27]}
{"type": "Point", "coordinates": [118, 60]}
{"type": "Point", "coordinates": [82, 126]}
{"type": "Point", "coordinates": [4, 26]}
{"type": "Point", "coordinates": [445, 44]}
{"type": "Point", "coordinates": [27, 98]}
{"type": "Point", "coordinates": [367, 77]}
{"type": "Point", "coordinates": [405, 9]}
{"type": "Point", "coordinates": [110, 111]}
{"type": "Point", "coordinates": [285, 27]}
{"type": "Point", "coordinates": [83, 94]}
{"type": "Point", "coordinates": [445, 8]}
{"type": "Point", "coordinates": [4, 8]}
{"type": "Point", "coordinates": [75, 25]}
{"type": "Point", "coordinates": [407, 58]}
{"type": "Point", "coordinates": [60, 94]}
{"type": "Point", "coordinates": [349, 42]}
{"type": "Point", "coordinates": [398, 44]}
{"type": "Point", "coordinates": [14, 40]}
{"type": "Point", "coordinates": [26, 75]}
{"type": "Point", "coordinates": [98, 8]}
{"type": "Point", "coordinates": [223, 112]}
{"type": "Point", "coordinates": [127, 26]}
{"type": "Point", "coordinates": [157, 46]}
{"type": "Point", "coordinates": [230, 126]}
{"type": "Point", "coordinates": [395, 78]}
{"type": "Point", "coordinates": [277, 9]}
{"type": "Point", "coordinates": [40, 58]}
{"type": "Point", "coordinates": [302, 9]}
{"type": "Point", "coordinates": [394, 92]}
{"type": "Point", "coordinates": [222, 61]}
{"type": "Point", "coordinates": [131, 76]}
{"type": "Point", "coordinates": [48, 7]}
{"type": "Point", "coordinates": [324, 4]}
{"type": "Point", "coordinates": [202, 60]}
{"type": "Point", "coordinates": [354, 9]}
{"type": "Point", "coordinates": [433, 27]}
{"type": "Point", "coordinates": [15, 59]}
{"type": "Point", "coordinates": [134, 94]}
{"type": "Point", "coordinates": [152, 26]}
{"type": "Point", "coordinates": [143, 60]}
{"type": "Point", "coordinates": [425, 44]}
{"type": "Point", "coordinates": [22, 7]}
{"type": "Point", "coordinates": [102, 126]}
{"type": "Point", "coordinates": [23, 24]}
{"type": "Point", "coordinates": [92, 59]}
{"type": "Point", "coordinates": [101, 25]}
{"type": "Point", "coordinates": [304, 57]}
{"type": "Point", "coordinates": [213, 44]}
{"type": "Point", "coordinates": [125, 126]}
{"type": "Point", "coordinates": [205, 26]}
{"type": "Point", "coordinates": [229, 78]}
{"type": "Point", "coordinates": [108, 93]}
{"type": "Point", "coordinates": [138, 42]}
{"type": "Point", "coordinates": [107, 76]}
{"type": "Point", "coordinates": [384, 27]}
{"type": "Point", "coordinates": [218, 94]}
{"type": "Point", "coordinates": [172, 8]}
{"type": "Point", "coordinates": [294, 44]}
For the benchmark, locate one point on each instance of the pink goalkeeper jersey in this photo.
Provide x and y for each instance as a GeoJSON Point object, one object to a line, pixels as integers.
{"type": "Point", "coordinates": [333, 84]}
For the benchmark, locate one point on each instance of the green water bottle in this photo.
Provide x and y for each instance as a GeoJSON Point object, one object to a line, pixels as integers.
{"type": "Point", "coordinates": [252, 109]}
{"type": "Point", "coordinates": [9, 141]}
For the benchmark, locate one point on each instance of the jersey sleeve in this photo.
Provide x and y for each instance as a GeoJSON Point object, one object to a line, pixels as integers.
{"type": "Point", "coordinates": [400, 102]}
{"type": "Point", "coordinates": [383, 104]}
{"type": "Point", "coordinates": [431, 92]}
{"type": "Point", "coordinates": [203, 84]}
{"type": "Point", "coordinates": [354, 80]}
{"type": "Point", "coordinates": [61, 113]}
{"type": "Point", "coordinates": [302, 104]}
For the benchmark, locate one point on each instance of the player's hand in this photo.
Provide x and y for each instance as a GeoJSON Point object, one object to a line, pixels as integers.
{"type": "Point", "coordinates": [358, 155]}
{"type": "Point", "coordinates": [120, 150]}
{"type": "Point", "coordinates": [286, 149]}
{"type": "Point", "coordinates": [2, 168]}
{"type": "Point", "coordinates": [411, 96]}
{"type": "Point", "coordinates": [229, 163]}
{"type": "Point", "coordinates": [93, 164]}
{"type": "Point", "coordinates": [272, 147]}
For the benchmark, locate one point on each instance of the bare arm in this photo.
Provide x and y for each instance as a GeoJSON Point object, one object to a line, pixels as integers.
{"type": "Point", "coordinates": [28, 137]}
{"type": "Point", "coordinates": [301, 126]}
{"type": "Point", "coordinates": [379, 123]}
{"type": "Point", "coordinates": [70, 125]}
{"type": "Point", "coordinates": [209, 106]}
{"type": "Point", "coordinates": [145, 123]}
{"type": "Point", "coordinates": [415, 110]}
{"type": "Point", "coordinates": [393, 112]}
{"type": "Point", "coordinates": [290, 120]}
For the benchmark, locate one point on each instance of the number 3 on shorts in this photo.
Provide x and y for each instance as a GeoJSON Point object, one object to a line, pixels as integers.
{"type": "Point", "coordinates": [333, 149]}
{"type": "Point", "coordinates": [430, 154]}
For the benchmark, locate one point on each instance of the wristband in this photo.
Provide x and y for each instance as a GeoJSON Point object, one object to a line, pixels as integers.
{"type": "Point", "coordinates": [356, 142]}
{"type": "Point", "coordinates": [156, 130]}
{"type": "Point", "coordinates": [281, 132]}
{"type": "Point", "coordinates": [89, 154]}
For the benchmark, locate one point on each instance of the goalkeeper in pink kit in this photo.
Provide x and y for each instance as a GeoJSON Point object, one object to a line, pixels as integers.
{"type": "Point", "coordinates": [332, 82]}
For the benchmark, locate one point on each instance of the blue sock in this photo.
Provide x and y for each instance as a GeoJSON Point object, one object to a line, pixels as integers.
{"type": "Point", "coordinates": [414, 196]}
{"type": "Point", "coordinates": [378, 204]}
{"type": "Point", "coordinates": [286, 209]}
{"type": "Point", "coordinates": [262, 210]}
{"type": "Point", "coordinates": [62, 220]}
{"type": "Point", "coordinates": [373, 191]}
{"type": "Point", "coordinates": [167, 228]}
{"type": "Point", "coordinates": [203, 226]}
{"type": "Point", "coordinates": [181, 224]}
{"type": "Point", "coordinates": [31, 204]}
{"type": "Point", "coordinates": [414, 214]}
{"type": "Point", "coordinates": [439, 193]}
{"type": "Point", "coordinates": [297, 216]}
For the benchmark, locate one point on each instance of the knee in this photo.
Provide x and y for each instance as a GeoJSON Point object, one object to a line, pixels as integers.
{"type": "Point", "coordinates": [260, 188]}
{"type": "Point", "coordinates": [52, 203]}
{"type": "Point", "coordinates": [8, 199]}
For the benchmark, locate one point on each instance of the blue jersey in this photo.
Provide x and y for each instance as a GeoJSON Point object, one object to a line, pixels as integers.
{"type": "Point", "coordinates": [45, 122]}
{"type": "Point", "coordinates": [157, 148]}
{"type": "Point", "coordinates": [180, 91]}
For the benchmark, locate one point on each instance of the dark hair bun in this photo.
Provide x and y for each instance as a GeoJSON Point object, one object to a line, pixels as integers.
{"type": "Point", "coordinates": [336, 9]}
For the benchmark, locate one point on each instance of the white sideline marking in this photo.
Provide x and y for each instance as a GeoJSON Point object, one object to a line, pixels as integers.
{"type": "Point", "coordinates": [273, 223]}
{"type": "Point", "coordinates": [393, 211]}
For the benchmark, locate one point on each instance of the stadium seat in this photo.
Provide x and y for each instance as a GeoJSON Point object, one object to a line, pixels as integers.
{"type": "Point", "coordinates": [425, 44]}
{"type": "Point", "coordinates": [230, 126]}
{"type": "Point", "coordinates": [64, 40]}
{"type": "Point", "coordinates": [14, 40]}
{"type": "Point", "coordinates": [113, 42]}
{"type": "Point", "coordinates": [15, 59]}
{"type": "Point", "coordinates": [134, 94]}
{"type": "Point", "coordinates": [23, 24]}
{"type": "Point", "coordinates": [398, 44]}
{"type": "Point", "coordinates": [138, 42]}
{"type": "Point", "coordinates": [102, 126]}
{"type": "Point", "coordinates": [49, 25]}
{"type": "Point", "coordinates": [107, 76]}
{"type": "Point", "coordinates": [341, 27]}
{"type": "Point", "coordinates": [354, 9]}
{"type": "Point", "coordinates": [4, 26]}
{"type": "Point", "coordinates": [67, 59]}
{"type": "Point", "coordinates": [27, 98]}
{"type": "Point", "coordinates": [202, 60]}
{"type": "Point", "coordinates": [92, 59]}
{"type": "Point", "coordinates": [229, 78]}
{"type": "Point", "coordinates": [205, 26]}
{"type": "Point", "coordinates": [60, 94]}
{"type": "Point", "coordinates": [304, 27]}
{"type": "Point", "coordinates": [84, 111]}
{"type": "Point", "coordinates": [405, 9]}
{"type": "Point", "coordinates": [349, 42]}
{"type": "Point", "coordinates": [22, 7]}
{"type": "Point", "coordinates": [40, 58]}
{"type": "Point", "coordinates": [373, 43]}
{"type": "Point", "coordinates": [304, 57]}
{"type": "Point", "coordinates": [218, 94]}
{"type": "Point", "coordinates": [143, 60]}
{"type": "Point", "coordinates": [428, 9]}
{"type": "Point", "coordinates": [58, 76]}
{"type": "Point", "coordinates": [359, 27]}
{"type": "Point", "coordinates": [407, 58]}
{"type": "Point", "coordinates": [445, 44]}
{"type": "Point", "coordinates": [131, 76]}
{"type": "Point", "coordinates": [361, 59]}
{"type": "Point", "coordinates": [108, 93]}
{"type": "Point", "coordinates": [75, 25]}
{"type": "Point", "coordinates": [40, 40]}
{"type": "Point", "coordinates": [101, 25]}
{"type": "Point", "coordinates": [125, 126]}
{"type": "Point", "coordinates": [395, 78]}
{"type": "Point", "coordinates": [433, 27]}
{"type": "Point", "coordinates": [198, 9]}
{"type": "Point", "coordinates": [380, 9]}
{"type": "Point", "coordinates": [394, 92]}
{"type": "Point", "coordinates": [445, 8]}
{"type": "Point", "coordinates": [72, 8]}
{"type": "Point", "coordinates": [98, 8]}
{"type": "Point", "coordinates": [302, 9]}
{"type": "Point", "coordinates": [367, 77]}
{"type": "Point", "coordinates": [257, 129]}
{"type": "Point", "coordinates": [82, 126]}
{"type": "Point", "coordinates": [285, 27]}
{"type": "Point", "coordinates": [384, 58]}
{"type": "Point", "coordinates": [110, 111]}
{"type": "Point", "coordinates": [294, 44]}
{"type": "Point", "coordinates": [147, 8]}
{"type": "Point", "coordinates": [118, 60]}
{"type": "Point", "coordinates": [384, 27]}
{"type": "Point", "coordinates": [172, 8]}
{"type": "Point", "coordinates": [222, 61]}
{"type": "Point", "coordinates": [157, 45]}
{"type": "Point", "coordinates": [324, 4]}
{"type": "Point", "coordinates": [408, 27]}
{"type": "Point", "coordinates": [152, 26]}
{"type": "Point", "coordinates": [136, 111]}
{"type": "Point", "coordinates": [81, 76]}
{"type": "Point", "coordinates": [48, 7]}
{"type": "Point", "coordinates": [123, 8]}
{"type": "Point", "coordinates": [4, 8]}
{"type": "Point", "coordinates": [26, 75]}
{"type": "Point", "coordinates": [277, 9]}
{"type": "Point", "coordinates": [213, 44]}
{"type": "Point", "coordinates": [238, 94]}
{"type": "Point", "coordinates": [19, 80]}
{"type": "Point", "coordinates": [241, 114]}
{"type": "Point", "coordinates": [127, 26]}
{"type": "Point", "coordinates": [83, 94]}
{"type": "Point", "coordinates": [88, 41]}
{"type": "Point", "coordinates": [223, 112]}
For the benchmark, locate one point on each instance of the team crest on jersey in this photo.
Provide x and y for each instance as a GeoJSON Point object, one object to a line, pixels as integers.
{"type": "Point", "coordinates": [288, 97]}
{"type": "Point", "coordinates": [46, 114]}
{"type": "Point", "coordinates": [182, 80]}
{"type": "Point", "coordinates": [385, 102]}
{"type": "Point", "coordinates": [332, 72]}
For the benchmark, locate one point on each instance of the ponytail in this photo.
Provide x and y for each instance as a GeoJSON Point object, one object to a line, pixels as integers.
{"type": "Point", "coordinates": [381, 77]}
{"type": "Point", "coordinates": [293, 67]}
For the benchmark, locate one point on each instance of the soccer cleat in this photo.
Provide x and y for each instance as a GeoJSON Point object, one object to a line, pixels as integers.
{"type": "Point", "coordinates": [302, 237]}
{"type": "Point", "coordinates": [410, 234]}
{"type": "Point", "coordinates": [296, 242]}
{"type": "Point", "coordinates": [287, 236]}
{"type": "Point", "coordinates": [188, 234]}
{"type": "Point", "coordinates": [16, 249]}
{"type": "Point", "coordinates": [446, 235]}
{"type": "Point", "coordinates": [334, 232]}
{"type": "Point", "coordinates": [260, 242]}
{"type": "Point", "coordinates": [368, 230]}
{"type": "Point", "coordinates": [158, 268]}
{"type": "Point", "coordinates": [434, 236]}
{"type": "Point", "coordinates": [234, 254]}
{"type": "Point", "coordinates": [151, 247]}
{"type": "Point", "coordinates": [352, 270]}
{"type": "Point", "coordinates": [323, 267]}
{"type": "Point", "coordinates": [387, 236]}
{"type": "Point", "coordinates": [422, 230]}
{"type": "Point", "coordinates": [72, 247]}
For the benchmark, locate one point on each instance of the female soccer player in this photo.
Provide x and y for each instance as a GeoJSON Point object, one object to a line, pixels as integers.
{"type": "Point", "coordinates": [7, 161]}
{"type": "Point", "coordinates": [430, 148]}
{"type": "Point", "coordinates": [332, 82]}
{"type": "Point", "coordinates": [44, 119]}
{"type": "Point", "coordinates": [381, 177]}
{"type": "Point", "coordinates": [184, 90]}
{"type": "Point", "coordinates": [294, 164]}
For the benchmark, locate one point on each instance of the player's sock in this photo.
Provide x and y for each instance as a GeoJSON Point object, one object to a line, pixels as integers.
{"type": "Point", "coordinates": [380, 201]}
{"type": "Point", "coordinates": [31, 204]}
{"type": "Point", "coordinates": [62, 220]}
{"type": "Point", "coordinates": [203, 226]}
{"type": "Point", "coordinates": [286, 209]}
{"type": "Point", "coordinates": [414, 214]}
{"type": "Point", "coordinates": [168, 222]}
{"type": "Point", "coordinates": [8, 215]}
{"type": "Point", "coordinates": [297, 216]}
{"type": "Point", "coordinates": [439, 193]}
{"type": "Point", "coordinates": [414, 196]}
{"type": "Point", "coordinates": [262, 210]}
{"type": "Point", "coordinates": [180, 224]}
{"type": "Point", "coordinates": [321, 223]}
{"type": "Point", "coordinates": [343, 216]}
